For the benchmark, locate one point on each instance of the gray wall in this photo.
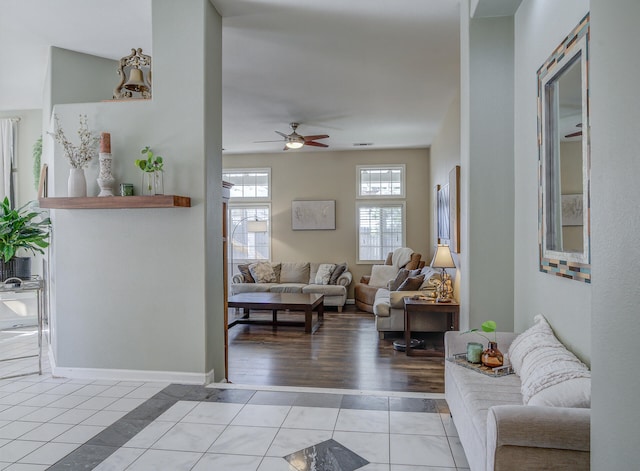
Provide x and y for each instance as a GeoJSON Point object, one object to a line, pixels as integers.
{"type": "Point", "coordinates": [130, 288]}
{"type": "Point", "coordinates": [487, 189]}
{"type": "Point", "coordinates": [615, 327]}
{"type": "Point", "coordinates": [540, 27]}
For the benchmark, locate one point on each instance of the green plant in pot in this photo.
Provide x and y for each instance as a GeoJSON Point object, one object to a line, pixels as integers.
{"type": "Point", "coordinates": [152, 167]}
{"type": "Point", "coordinates": [491, 357]}
{"type": "Point", "coordinates": [20, 229]}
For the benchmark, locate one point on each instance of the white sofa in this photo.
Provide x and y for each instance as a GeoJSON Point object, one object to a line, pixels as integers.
{"type": "Point", "coordinates": [298, 277]}
{"type": "Point", "coordinates": [499, 432]}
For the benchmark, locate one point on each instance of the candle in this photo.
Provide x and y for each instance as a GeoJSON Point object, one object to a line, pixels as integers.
{"type": "Point", "coordinates": [105, 143]}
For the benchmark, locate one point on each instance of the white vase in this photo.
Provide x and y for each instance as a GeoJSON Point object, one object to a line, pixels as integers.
{"type": "Point", "coordinates": [77, 184]}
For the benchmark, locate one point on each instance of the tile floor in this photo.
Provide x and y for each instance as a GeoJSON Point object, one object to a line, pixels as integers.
{"type": "Point", "coordinates": [66, 424]}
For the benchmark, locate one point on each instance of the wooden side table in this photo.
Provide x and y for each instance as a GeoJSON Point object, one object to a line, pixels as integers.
{"type": "Point", "coordinates": [422, 307]}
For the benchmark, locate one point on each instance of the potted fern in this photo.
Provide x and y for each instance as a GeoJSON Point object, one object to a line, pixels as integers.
{"type": "Point", "coordinates": [20, 229]}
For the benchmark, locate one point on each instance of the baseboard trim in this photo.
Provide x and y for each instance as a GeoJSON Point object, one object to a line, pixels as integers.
{"type": "Point", "coordinates": [350, 301]}
{"type": "Point", "coordinates": [130, 375]}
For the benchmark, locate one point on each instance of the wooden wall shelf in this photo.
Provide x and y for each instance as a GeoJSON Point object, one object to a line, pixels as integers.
{"type": "Point", "coordinates": [116, 202]}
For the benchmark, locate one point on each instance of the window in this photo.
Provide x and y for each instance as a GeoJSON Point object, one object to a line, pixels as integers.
{"type": "Point", "coordinates": [381, 181]}
{"type": "Point", "coordinates": [381, 227]}
{"type": "Point", "coordinates": [249, 216]}
{"type": "Point", "coordinates": [380, 230]}
{"type": "Point", "coordinates": [248, 183]}
{"type": "Point", "coordinates": [249, 241]}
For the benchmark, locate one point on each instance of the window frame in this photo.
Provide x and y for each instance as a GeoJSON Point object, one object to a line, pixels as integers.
{"type": "Point", "coordinates": [266, 170]}
{"type": "Point", "coordinates": [247, 205]}
{"type": "Point", "coordinates": [379, 204]}
{"type": "Point", "coordinates": [403, 183]}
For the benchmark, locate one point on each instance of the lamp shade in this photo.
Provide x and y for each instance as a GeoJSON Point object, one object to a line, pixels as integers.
{"type": "Point", "coordinates": [256, 226]}
{"type": "Point", "coordinates": [442, 258]}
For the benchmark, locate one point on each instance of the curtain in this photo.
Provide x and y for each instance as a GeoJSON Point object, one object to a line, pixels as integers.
{"type": "Point", "coordinates": [8, 134]}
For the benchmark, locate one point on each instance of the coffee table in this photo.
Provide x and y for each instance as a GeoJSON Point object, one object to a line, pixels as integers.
{"type": "Point", "coordinates": [274, 302]}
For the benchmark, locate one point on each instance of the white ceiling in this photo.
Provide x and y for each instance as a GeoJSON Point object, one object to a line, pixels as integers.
{"type": "Point", "coordinates": [362, 71]}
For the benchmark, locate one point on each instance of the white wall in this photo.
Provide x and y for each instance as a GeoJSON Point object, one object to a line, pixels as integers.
{"type": "Point", "coordinates": [130, 289]}
{"type": "Point", "coordinates": [539, 27]}
{"type": "Point", "coordinates": [615, 193]}
{"type": "Point", "coordinates": [487, 188]}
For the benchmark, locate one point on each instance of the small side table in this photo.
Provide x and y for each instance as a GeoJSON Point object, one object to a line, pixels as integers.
{"type": "Point", "coordinates": [36, 285]}
{"type": "Point", "coordinates": [420, 307]}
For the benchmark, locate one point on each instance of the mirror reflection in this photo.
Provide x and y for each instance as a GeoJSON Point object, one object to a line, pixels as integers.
{"type": "Point", "coordinates": [564, 220]}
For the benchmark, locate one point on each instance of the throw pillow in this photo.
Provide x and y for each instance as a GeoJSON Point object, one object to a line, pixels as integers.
{"type": "Point", "coordinates": [414, 262]}
{"type": "Point", "coordinates": [402, 275]}
{"type": "Point", "coordinates": [412, 283]}
{"type": "Point", "coordinates": [549, 373]}
{"type": "Point", "coordinates": [340, 269]}
{"type": "Point", "coordinates": [277, 268]}
{"type": "Point", "coordinates": [246, 274]}
{"type": "Point", "coordinates": [381, 274]}
{"type": "Point", "coordinates": [262, 272]}
{"type": "Point", "coordinates": [295, 272]}
{"type": "Point", "coordinates": [324, 273]}
{"type": "Point", "coordinates": [538, 334]}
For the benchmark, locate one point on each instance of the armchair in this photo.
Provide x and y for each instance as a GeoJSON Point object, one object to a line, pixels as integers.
{"type": "Point", "coordinates": [365, 295]}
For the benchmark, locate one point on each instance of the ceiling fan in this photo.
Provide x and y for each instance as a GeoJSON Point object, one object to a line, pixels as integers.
{"type": "Point", "coordinates": [575, 134]}
{"type": "Point", "coordinates": [296, 141]}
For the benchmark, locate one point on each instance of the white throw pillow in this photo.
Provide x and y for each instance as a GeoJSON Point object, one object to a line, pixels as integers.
{"type": "Point", "coordinates": [381, 275]}
{"type": "Point", "coordinates": [549, 373]}
{"type": "Point", "coordinates": [323, 275]}
{"type": "Point", "coordinates": [569, 393]}
{"type": "Point", "coordinates": [262, 272]}
{"type": "Point", "coordinates": [537, 335]}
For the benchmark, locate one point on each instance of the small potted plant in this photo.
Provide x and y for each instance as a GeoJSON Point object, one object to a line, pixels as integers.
{"type": "Point", "coordinates": [491, 357]}
{"type": "Point", "coordinates": [152, 176]}
{"type": "Point", "coordinates": [20, 229]}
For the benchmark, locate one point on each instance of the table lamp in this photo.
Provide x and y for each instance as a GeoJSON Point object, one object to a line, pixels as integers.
{"type": "Point", "coordinates": [442, 259]}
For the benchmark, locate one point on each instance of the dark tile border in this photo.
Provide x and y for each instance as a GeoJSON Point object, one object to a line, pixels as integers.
{"type": "Point", "coordinates": [107, 442]}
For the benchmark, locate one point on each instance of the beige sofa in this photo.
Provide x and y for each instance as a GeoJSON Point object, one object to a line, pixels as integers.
{"type": "Point", "coordinates": [388, 307]}
{"type": "Point", "coordinates": [498, 432]}
{"type": "Point", "coordinates": [298, 277]}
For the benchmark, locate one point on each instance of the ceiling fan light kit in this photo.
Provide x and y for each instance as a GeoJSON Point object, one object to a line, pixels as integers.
{"type": "Point", "coordinates": [297, 141]}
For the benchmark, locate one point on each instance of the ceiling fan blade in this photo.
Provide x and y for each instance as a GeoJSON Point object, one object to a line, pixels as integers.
{"type": "Point", "coordinates": [574, 134]}
{"type": "Point", "coordinates": [316, 137]}
{"type": "Point", "coordinates": [285, 148]}
{"type": "Point", "coordinates": [316, 144]}
{"type": "Point", "coordinates": [282, 134]}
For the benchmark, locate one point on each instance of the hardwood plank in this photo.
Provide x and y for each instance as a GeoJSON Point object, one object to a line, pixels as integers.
{"type": "Point", "coordinates": [344, 353]}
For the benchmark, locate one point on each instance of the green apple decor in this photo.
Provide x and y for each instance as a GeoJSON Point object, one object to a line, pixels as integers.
{"type": "Point", "coordinates": [23, 229]}
{"type": "Point", "coordinates": [152, 176]}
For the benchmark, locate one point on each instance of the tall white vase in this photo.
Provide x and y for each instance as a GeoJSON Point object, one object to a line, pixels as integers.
{"type": "Point", "coordinates": [77, 184]}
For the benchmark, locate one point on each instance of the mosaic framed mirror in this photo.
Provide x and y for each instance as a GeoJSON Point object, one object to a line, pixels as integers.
{"type": "Point", "coordinates": [564, 158]}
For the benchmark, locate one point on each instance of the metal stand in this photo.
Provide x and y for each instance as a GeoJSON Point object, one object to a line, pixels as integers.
{"type": "Point", "coordinates": [17, 285]}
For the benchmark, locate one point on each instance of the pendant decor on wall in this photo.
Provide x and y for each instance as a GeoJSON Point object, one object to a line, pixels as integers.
{"type": "Point", "coordinates": [135, 76]}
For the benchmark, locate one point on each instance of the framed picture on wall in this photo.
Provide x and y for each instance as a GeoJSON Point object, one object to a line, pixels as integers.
{"type": "Point", "coordinates": [442, 205]}
{"type": "Point", "coordinates": [313, 215]}
{"type": "Point", "coordinates": [454, 209]}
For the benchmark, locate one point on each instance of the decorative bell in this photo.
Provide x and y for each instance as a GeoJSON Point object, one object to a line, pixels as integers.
{"type": "Point", "coordinates": [136, 81]}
